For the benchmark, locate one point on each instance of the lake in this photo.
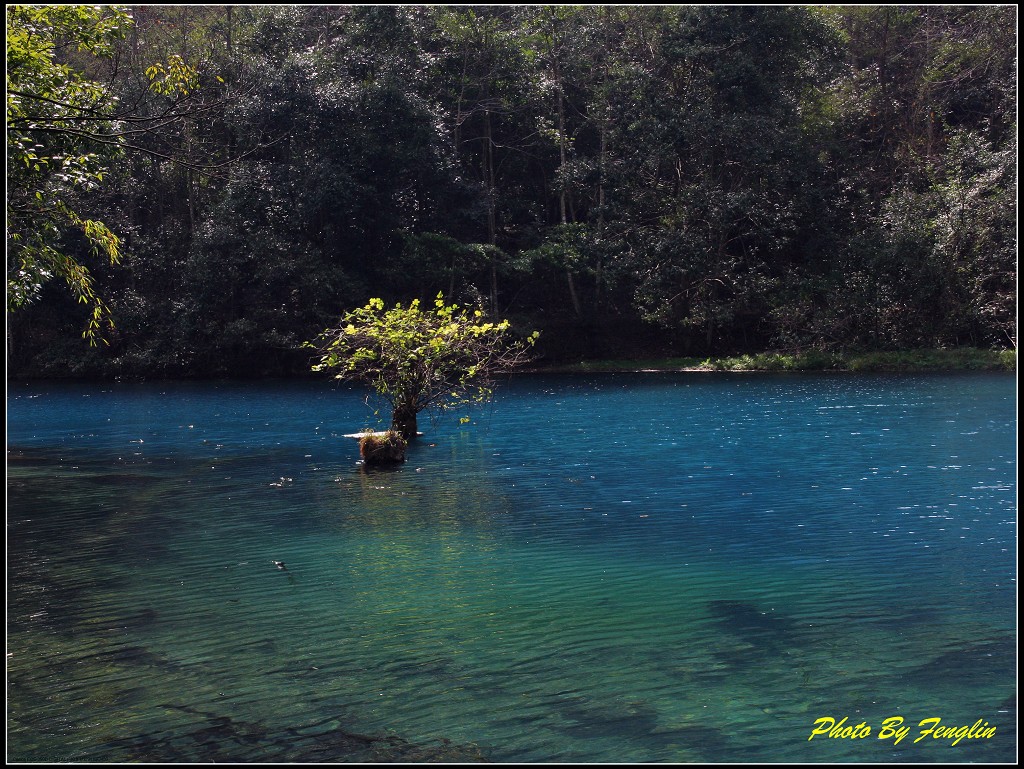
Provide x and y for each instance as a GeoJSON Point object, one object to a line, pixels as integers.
{"type": "Point", "coordinates": [614, 568]}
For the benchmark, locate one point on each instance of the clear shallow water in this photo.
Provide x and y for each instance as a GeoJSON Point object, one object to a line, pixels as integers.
{"type": "Point", "coordinates": [684, 568]}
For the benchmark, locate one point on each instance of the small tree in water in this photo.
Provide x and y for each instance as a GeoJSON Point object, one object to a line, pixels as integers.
{"type": "Point", "coordinates": [418, 359]}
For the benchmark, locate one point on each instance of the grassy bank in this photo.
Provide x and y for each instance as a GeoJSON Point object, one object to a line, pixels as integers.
{"type": "Point", "coordinates": [961, 359]}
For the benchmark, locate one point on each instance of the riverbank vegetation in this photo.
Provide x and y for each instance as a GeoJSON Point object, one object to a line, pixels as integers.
{"type": "Point", "coordinates": [961, 359]}
{"type": "Point", "coordinates": [698, 183]}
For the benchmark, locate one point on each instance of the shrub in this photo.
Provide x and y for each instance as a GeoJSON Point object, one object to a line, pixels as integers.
{"type": "Point", "coordinates": [418, 359]}
{"type": "Point", "coordinates": [382, 448]}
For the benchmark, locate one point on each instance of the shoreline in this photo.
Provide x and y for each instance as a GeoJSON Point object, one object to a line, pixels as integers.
{"type": "Point", "coordinates": [913, 361]}
{"type": "Point", "coordinates": [910, 361]}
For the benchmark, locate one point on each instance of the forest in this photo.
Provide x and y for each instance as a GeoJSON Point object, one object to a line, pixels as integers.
{"type": "Point", "coordinates": [197, 191]}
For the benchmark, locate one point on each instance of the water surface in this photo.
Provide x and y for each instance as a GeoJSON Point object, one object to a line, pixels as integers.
{"type": "Point", "coordinates": [673, 568]}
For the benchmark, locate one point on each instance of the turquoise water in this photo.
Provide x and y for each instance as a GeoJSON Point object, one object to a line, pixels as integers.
{"type": "Point", "coordinates": [619, 568]}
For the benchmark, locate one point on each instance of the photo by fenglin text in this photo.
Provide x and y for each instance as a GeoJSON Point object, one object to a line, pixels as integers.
{"type": "Point", "coordinates": [893, 728]}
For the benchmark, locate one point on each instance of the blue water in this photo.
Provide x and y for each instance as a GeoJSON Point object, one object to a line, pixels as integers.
{"type": "Point", "coordinates": [619, 568]}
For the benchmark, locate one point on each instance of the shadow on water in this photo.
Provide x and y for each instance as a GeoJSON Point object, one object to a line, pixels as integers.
{"type": "Point", "coordinates": [383, 470]}
{"type": "Point", "coordinates": [759, 634]}
{"type": "Point", "coordinates": [589, 720]}
{"type": "Point", "coordinates": [138, 656]}
{"type": "Point", "coordinates": [639, 723]}
{"type": "Point", "coordinates": [221, 738]}
{"type": "Point", "coordinates": [972, 665]}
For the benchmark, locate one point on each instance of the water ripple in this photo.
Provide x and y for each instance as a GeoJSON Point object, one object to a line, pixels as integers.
{"type": "Point", "coordinates": [679, 569]}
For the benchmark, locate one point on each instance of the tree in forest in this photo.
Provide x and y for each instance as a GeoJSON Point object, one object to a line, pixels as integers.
{"type": "Point", "coordinates": [416, 359]}
{"type": "Point", "coordinates": [647, 179]}
{"type": "Point", "coordinates": [50, 109]}
{"type": "Point", "coordinates": [65, 128]}
{"type": "Point", "coordinates": [924, 152]}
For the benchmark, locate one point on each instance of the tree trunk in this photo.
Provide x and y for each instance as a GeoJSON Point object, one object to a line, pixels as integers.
{"type": "Point", "coordinates": [492, 217]}
{"type": "Point", "coordinates": [602, 160]}
{"type": "Point", "coordinates": [563, 202]}
{"type": "Point", "coordinates": [403, 420]}
{"type": "Point", "coordinates": [227, 33]}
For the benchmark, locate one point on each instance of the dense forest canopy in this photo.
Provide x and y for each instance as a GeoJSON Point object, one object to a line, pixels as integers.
{"type": "Point", "coordinates": [223, 182]}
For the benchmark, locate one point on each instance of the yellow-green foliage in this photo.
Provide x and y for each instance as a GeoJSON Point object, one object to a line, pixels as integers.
{"type": "Point", "coordinates": [774, 361]}
{"type": "Point", "coordinates": [443, 357]}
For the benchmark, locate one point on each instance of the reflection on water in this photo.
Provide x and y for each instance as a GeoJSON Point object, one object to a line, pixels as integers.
{"type": "Point", "coordinates": [662, 568]}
